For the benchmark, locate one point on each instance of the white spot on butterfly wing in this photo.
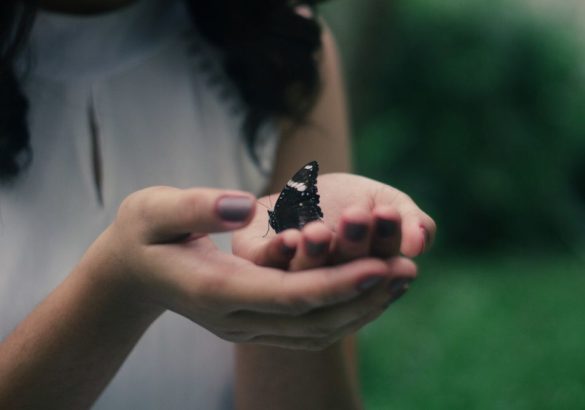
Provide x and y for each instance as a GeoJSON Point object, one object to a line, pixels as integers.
{"type": "Point", "coordinates": [299, 186]}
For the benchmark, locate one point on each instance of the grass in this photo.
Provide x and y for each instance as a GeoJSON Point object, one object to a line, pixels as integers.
{"type": "Point", "coordinates": [500, 333]}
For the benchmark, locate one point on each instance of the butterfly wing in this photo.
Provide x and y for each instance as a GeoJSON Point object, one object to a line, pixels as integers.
{"type": "Point", "coordinates": [298, 203]}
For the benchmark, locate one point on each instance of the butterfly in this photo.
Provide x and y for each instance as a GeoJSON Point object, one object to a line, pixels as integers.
{"type": "Point", "coordinates": [298, 203]}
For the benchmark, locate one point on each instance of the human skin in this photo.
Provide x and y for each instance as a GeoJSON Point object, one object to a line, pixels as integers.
{"type": "Point", "coordinates": [156, 256]}
{"type": "Point", "coordinates": [390, 223]}
{"type": "Point", "coordinates": [327, 379]}
{"type": "Point", "coordinates": [141, 267]}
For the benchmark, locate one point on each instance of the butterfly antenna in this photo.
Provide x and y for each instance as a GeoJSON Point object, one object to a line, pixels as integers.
{"type": "Point", "coordinates": [267, 230]}
{"type": "Point", "coordinates": [267, 208]}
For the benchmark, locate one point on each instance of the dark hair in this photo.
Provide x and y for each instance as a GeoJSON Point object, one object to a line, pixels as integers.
{"type": "Point", "coordinates": [269, 50]}
{"type": "Point", "coordinates": [15, 21]}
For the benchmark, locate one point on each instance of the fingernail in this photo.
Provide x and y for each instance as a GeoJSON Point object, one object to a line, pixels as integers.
{"type": "Point", "coordinates": [316, 249]}
{"type": "Point", "coordinates": [386, 228]}
{"type": "Point", "coordinates": [288, 251]}
{"type": "Point", "coordinates": [426, 239]}
{"type": "Point", "coordinates": [355, 231]}
{"type": "Point", "coordinates": [398, 286]}
{"type": "Point", "coordinates": [368, 283]}
{"type": "Point", "coordinates": [234, 208]}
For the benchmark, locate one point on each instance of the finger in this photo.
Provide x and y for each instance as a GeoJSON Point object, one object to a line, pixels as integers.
{"type": "Point", "coordinates": [278, 251]}
{"type": "Point", "coordinates": [170, 212]}
{"type": "Point", "coordinates": [314, 248]}
{"type": "Point", "coordinates": [417, 230]}
{"type": "Point", "coordinates": [281, 292]}
{"type": "Point", "coordinates": [371, 311]}
{"type": "Point", "coordinates": [315, 343]}
{"type": "Point", "coordinates": [396, 288]}
{"type": "Point", "coordinates": [418, 233]}
{"type": "Point", "coordinates": [251, 243]}
{"type": "Point", "coordinates": [386, 236]}
{"type": "Point", "coordinates": [355, 229]}
{"type": "Point", "coordinates": [333, 321]}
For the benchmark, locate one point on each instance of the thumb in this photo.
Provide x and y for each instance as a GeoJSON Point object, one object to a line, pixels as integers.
{"type": "Point", "coordinates": [171, 213]}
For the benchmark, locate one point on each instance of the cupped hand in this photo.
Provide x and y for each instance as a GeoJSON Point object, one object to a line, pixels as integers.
{"type": "Point", "coordinates": [362, 217]}
{"type": "Point", "coordinates": [159, 252]}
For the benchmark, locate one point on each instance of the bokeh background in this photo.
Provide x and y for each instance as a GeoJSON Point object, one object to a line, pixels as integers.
{"type": "Point", "coordinates": [477, 110]}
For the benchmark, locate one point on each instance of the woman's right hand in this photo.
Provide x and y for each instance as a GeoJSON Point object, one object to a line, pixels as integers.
{"type": "Point", "coordinates": [157, 251]}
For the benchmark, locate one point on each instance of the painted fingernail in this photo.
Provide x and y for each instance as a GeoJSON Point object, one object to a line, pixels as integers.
{"type": "Point", "coordinates": [368, 283]}
{"type": "Point", "coordinates": [316, 249]}
{"type": "Point", "coordinates": [399, 286]}
{"type": "Point", "coordinates": [355, 232]}
{"type": "Point", "coordinates": [386, 228]}
{"type": "Point", "coordinates": [234, 208]}
{"type": "Point", "coordinates": [426, 239]}
{"type": "Point", "coordinates": [287, 251]}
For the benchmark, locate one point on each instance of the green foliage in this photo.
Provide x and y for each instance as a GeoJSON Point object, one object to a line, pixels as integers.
{"type": "Point", "coordinates": [477, 334]}
{"type": "Point", "coordinates": [478, 112]}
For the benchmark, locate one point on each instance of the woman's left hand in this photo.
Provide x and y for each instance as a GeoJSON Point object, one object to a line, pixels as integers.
{"type": "Point", "coordinates": [362, 217]}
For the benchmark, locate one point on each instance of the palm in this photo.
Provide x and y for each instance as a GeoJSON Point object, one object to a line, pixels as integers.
{"type": "Point", "coordinates": [345, 198]}
{"type": "Point", "coordinates": [340, 191]}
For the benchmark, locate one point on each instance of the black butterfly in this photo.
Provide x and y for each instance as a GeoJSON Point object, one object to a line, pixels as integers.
{"type": "Point", "coordinates": [298, 203]}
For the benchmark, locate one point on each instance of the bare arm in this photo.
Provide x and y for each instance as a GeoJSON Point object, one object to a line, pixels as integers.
{"type": "Point", "coordinates": [157, 256]}
{"type": "Point", "coordinates": [325, 135]}
{"type": "Point", "coordinates": [271, 377]}
{"type": "Point", "coordinates": [65, 352]}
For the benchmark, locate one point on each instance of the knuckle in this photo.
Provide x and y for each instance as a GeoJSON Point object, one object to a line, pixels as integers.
{"type": "Point", "coordinates": [130, 217]}
{"type": "Point", "coordinates": [138, 204]}
{"type": "Point", "coordinates": [129, 205]}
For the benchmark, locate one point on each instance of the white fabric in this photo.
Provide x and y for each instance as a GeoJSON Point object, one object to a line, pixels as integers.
{"type": "Point", "coordinates": [164, 115]}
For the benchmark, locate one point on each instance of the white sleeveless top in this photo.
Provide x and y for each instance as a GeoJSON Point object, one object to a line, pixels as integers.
{"type": "Point", "coordinates": [142, 81]}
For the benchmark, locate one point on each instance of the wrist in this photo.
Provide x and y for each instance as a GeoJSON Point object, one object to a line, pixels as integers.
{"type": "Point", "coordinates": [106, 272]}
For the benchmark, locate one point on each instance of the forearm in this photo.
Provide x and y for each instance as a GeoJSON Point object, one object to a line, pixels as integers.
{"type": "Point", "coordinates": [67, 350]}
{"type": "Point", "coordinates": [275, 378]}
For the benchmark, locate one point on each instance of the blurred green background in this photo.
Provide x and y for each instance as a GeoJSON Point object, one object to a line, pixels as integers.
{"type": "Point", "coordinates": [477, 110]}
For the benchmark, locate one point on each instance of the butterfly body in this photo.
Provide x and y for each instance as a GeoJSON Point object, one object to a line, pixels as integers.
{"type": "Point", "coordinates": [298, 203]}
